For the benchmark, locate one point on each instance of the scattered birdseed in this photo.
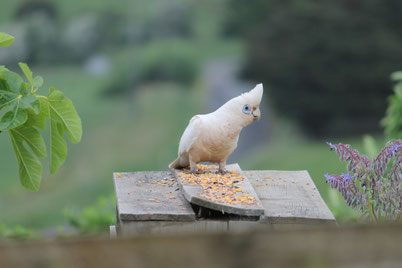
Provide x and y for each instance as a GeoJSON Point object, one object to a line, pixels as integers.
{"type": "Point", "coordinates": [220, 188]}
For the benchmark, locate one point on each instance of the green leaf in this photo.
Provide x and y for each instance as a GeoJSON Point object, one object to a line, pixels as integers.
{"type": "Point", "coordinates": [29, 166]}
{"type": "Point", "coordinates": [64, 110]}
{"type": "Point", "coordinates": [13, 118]}
{"type": "Point", "coordinates": [39, 120]}
{"type": "Point", "coordinates": [33, 138]}
{"type": "Point", "coordinates": [15, 101]}
{"type": "Point", "coordinates": [14, 82]}
{"type": "Point", "coordinates": [6, 39]}
{"type": "Point", "coordinates": [38, 81]}
{"type": "Point", "coordinates": [3, 68]}
{"type": "Point", "coordinates": [63, 118]}
{"type": "Point", "coordinates": [24, 67]}
{"type": "Point", "coordinates": [58, 146]}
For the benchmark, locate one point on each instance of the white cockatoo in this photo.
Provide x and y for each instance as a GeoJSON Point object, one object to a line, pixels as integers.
{"type": "Point", "coordinates": [213, 137]}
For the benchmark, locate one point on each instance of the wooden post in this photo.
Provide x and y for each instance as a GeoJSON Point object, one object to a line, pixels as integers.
{"type": "Point", "coordinates": [310, 246]}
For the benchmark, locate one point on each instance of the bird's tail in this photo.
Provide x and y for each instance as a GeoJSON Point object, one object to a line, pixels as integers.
{"type": "Point", "coordinates": [175, 163]}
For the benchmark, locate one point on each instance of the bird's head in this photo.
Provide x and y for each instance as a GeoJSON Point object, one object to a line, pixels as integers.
{"type": "Point", "coordinates": [246, 106]}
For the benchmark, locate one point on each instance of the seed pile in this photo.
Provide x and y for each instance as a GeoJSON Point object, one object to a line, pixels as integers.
{"type": "Point", "coordinates": [220, 188]}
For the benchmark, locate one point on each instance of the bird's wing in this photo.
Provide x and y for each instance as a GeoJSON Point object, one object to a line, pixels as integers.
{"type": "Point", "coordinates": [190, 135]}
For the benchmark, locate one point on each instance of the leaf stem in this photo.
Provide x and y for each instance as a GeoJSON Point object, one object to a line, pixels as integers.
{"type": "Point", "coordinates": [369, 204]}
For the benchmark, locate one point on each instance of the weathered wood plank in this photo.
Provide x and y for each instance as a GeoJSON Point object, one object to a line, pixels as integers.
{"type": "Point", "coordinates": [289, 197]}
{"type": "Point", "coordinates": [192, 193]}
{"type": "Point", "coordinates": [150, 195]}
{"type": "Point", "coordinates": [129, 228]}
{"type": "Point", "coordinates": [323, 246]}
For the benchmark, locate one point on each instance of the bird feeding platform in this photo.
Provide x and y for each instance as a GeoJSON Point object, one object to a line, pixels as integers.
{"type": "Point", "coordinates": [164, 201]}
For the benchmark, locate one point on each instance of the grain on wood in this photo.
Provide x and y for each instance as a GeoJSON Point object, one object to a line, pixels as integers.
{"type": "Point", "coordinates": [192, 192]}
{"type": "Point", "coordinates": [150, 195]}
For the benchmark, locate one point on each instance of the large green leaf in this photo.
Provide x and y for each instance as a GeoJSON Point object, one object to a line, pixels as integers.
{"type": "Point", "coordinates": [15, 101]}
{"type": "Point", "coordinates": [30, 168]}
{"type": "Point", "coordinates": [6, 39]}
{"type": "Point", "coordinates": [13, 118]}
{"type": "Point", "coordinates": [63, 118]}
{"type": "Point", "coordinates": [28, 74]}
{"type": "Point", "coordinates": [33, 138]}
{"type": "Point", "coordinates": [39, 120]}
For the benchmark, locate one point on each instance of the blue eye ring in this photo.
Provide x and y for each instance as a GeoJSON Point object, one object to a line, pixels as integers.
{"type": "Point", "coordinates": [246, 109]}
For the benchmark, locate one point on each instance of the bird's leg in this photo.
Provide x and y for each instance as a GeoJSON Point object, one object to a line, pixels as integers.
{"type": "Point", "coordinates": [222, 166]}
{"type": "Point", "coordinates": [193, 166]}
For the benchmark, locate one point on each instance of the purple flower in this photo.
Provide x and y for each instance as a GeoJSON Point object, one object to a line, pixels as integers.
{"type": "Point", "coordinates": [331, 145]}
{"type": "Point", "coordinates": [328, 177]}
{"type": "Point", "coordinates": [394, 149]}
{"type": "Point", "coordinates": [346, 177]}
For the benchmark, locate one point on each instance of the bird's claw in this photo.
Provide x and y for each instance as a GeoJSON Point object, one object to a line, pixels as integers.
{"type": "Point", "coordinates": [195, 171]}
{"type": "Point", "coordinates": [222, 171]}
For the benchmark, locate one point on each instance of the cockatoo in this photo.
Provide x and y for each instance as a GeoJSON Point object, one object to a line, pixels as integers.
{"type": "Point", "coordinates": [213, 137]}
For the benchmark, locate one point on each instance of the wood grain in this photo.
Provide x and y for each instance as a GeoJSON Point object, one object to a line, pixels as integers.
{"type": "Point", "coordinates": [313, 246]}
{"type": "Point", "coordinates": [142, 196]}
{"type": "Point", "coordinates": [289, 197]}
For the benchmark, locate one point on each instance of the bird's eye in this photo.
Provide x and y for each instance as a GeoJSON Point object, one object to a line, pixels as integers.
{"type": "Point", "coordinates": [246, 109]}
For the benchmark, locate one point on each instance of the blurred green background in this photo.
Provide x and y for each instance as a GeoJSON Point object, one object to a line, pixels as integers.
{"type": "Point", "coordinates": [138, 70]}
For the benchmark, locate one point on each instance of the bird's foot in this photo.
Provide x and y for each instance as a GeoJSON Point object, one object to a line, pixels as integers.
{"type": "Point", "coordinates": [195, 171]}
{"type": "Point", "coordinates": [222, 171]}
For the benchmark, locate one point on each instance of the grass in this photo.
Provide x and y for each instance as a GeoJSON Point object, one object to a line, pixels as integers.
{"type": "Point", "coordinates": [139, 133]}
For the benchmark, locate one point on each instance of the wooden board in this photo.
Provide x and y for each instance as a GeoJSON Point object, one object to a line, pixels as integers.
{"type": "Point", "coordinates": [289, 197]}
{"type": "Point", "coordinates": [150, 195]}
{"type": "Point", "coordinates": [129, 228]}
{"type": "Point", "coordinates": [368, 246]}
{"type": "Point", "coordinates": [192, 193]}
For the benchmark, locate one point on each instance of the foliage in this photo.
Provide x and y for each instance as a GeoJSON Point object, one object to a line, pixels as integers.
{"type": "Point", "coordinates": [326, 62]}
{"type": "Point", "coordinates": [166, 61]}
{"type": "Point", "coordinates": [169, 61]}
{"type": "Point", "coordinates": [24, 112]}
{"type": "Point", "coordinates": [16, 232]}
{"type": "Point", "coordinates": [342, 212]}
{"type": "Point", "coordinates": [93, 219]}
{"type": "Point", "coordinates": [393, 119]}
{"type": "Point", "coordinates": [374, 187]}
{"type": "Point", "coordinates": [6, 39]}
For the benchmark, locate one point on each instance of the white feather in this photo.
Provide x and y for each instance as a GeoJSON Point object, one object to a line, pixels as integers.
{"type": "Point", "coordinates": [190, 135]}
{"type": "Point", "coordinates": [213, 137]}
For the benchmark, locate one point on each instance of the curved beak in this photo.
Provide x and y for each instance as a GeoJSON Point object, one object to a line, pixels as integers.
{"type": "Point", "coordinates": [256, 113]}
